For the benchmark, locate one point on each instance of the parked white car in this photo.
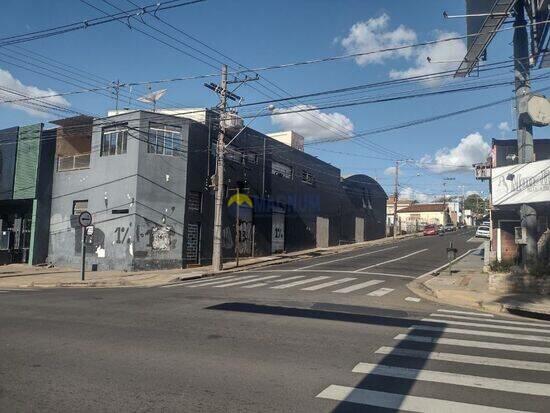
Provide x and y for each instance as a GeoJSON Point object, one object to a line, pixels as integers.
{"type": "Point", "coordinates": [483, 231]}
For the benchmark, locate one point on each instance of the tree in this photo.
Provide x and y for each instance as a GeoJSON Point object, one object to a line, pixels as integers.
{"type": "Point", "coordinates": [476, 204]}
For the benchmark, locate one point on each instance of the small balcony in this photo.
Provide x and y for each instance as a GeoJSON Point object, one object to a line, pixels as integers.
{"type": "Point", "coordinates": [73, 162]}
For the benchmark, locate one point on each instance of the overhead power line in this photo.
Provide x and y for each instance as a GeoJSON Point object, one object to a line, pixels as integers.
{"type": "Point", "coordinates": [85, 24]}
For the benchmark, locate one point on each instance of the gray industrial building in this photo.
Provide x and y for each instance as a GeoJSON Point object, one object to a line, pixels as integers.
{"type": "Point", "coordinates": [146, 179]}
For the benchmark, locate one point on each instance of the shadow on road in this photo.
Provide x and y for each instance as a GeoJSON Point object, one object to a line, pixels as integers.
{"type": "Point", "coordinates": [376, 388]}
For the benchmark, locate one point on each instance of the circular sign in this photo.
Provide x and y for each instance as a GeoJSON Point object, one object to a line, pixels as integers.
{"type": "Point", "coordinates": [85, 219]}
{"type": "Point", "coordinates": [538, 108]}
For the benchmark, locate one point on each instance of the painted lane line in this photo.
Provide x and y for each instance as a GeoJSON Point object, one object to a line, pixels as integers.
{"type": "Point", "coordinates": [482, 333]}
{"type": "Point", "coordinates": [295, 283]}
{"type": "Point", "coordinates": [413, 299]}
{"type": "Point", "coordinates": [220, 282]}
{"type": "Point", "coordinates": [328, 284]}
{"type": "Point", "coordinates": [465, 359]}
{"type": "Point", "coordinates": [202, 280]}
{"type": "Point", "coordinates": [484, 325]}
{"type": "Point", "coordinates": [380, 292]}
{"type": "Point", "coordinates": [401, 402]}
{"type": "Point", "coordinates": [358, 286]}
{"type": "Point", "coordinates": [231, 284]}
{"type": "Point", "coordinates": [461, 317]}
{"type": "Point", "coordinates": [466, 313]}
{"type": "Point", "coordinates": [432, 376]}
{"type": "Point", "coordinates": [473, 344]}
{"type": "Point", "coordinates": [341, 272]}
{"type": "Point", "coordinates": [344, 258]}
{"type": "Point", "coordinates": [392, 260]}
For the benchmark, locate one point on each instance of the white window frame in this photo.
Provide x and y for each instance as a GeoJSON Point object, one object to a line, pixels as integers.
{"type": "Point", "coordinates": [170, 134]}
{"type": "Point", "coordinates": [117, 139]}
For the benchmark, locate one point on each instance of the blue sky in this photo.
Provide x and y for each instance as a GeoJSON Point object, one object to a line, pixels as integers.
{"type": "Point", "coordinates": [259, 33]}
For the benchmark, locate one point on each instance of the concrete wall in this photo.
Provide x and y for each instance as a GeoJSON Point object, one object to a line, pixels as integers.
{"type": "Point", "coordinates": [149, 233]}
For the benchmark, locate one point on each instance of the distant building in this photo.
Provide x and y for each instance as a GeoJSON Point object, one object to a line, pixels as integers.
{"type": "Point", "coordinates": [401, 203]}
{"type": "Point", "coordinates": [290, 138]}
{"type": "Point", "coordinates": [423, 214]}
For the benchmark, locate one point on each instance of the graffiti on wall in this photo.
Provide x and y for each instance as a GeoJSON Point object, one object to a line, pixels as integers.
{"type": "Point", "coordinates": [161, 238]}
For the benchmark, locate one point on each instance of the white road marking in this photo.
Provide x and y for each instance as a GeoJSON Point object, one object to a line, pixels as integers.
{"type": "Point", "coordinates": [461, 317]}
{"type": "Point", "coordinates": [473, 344]}
{"type": "Point", "coordinates": [220, 282]}
{"type": "Point", "coordinates": [484, 325]}
{"type": "Point", "coordinates": [481, 333]}
{"type": "Point", "coordinates": [254, 285]}
{"type": "Point", "coordinates": [392, 260]}
{"type": "Point", "coordinates": [251, 280]}
{"type": "Point", "coordinates": [344, 258]}
{"type": "Point", "coordinates": [342, 272]}
{"type": "Point", "coordinates": [480, 382]}
{"type": "Point", "coordinates": [466, 312]}
{"type": "Point", "coordinates": [328, 284]}
{"type": "Point", "coordinates": [465, 358]}
{"type": "Point", "coordinates": [380, 292]}
{"type": "Point", "coordinates": [295, 283]}
{"type": "Point", "coordinates": [413, 299]}
{"type": "Point", "coordinates": [358, 286]}
{"type": "Point", "coordinates": [403, 402]}
{"type": "Point", "coordinates": [202, 280]}
{"type": "Point", "coordinates": [445, 265]}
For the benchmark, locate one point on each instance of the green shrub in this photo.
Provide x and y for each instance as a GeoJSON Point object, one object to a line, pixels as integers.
{"type": "Point", "coordinates": [502, 266]}
{"type": "Point", "coordinates": [539, 269]}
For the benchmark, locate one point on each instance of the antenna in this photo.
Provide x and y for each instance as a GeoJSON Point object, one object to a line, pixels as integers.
{"type": "Point", "coordinates": [153, 98]}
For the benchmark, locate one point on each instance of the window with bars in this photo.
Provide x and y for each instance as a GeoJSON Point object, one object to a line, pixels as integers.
{"type": "Point", "coordinates": [194, 201]}
{"type": "Point", "coordinates": [307, 177]}
{"type": "Point", "coordinates": [282, 170]}
{"type": "Point", "coordinates": [114, 141]}
{"type": "Point", "coordinates": [164, 140]}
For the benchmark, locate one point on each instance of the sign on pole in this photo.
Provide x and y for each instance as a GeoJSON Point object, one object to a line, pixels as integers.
{"type": "Point", "coordinates": [85, 220]}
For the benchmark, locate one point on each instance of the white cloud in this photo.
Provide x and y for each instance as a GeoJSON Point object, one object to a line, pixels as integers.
{"type": "Point", "coordinates": [444, 56]}
{"type": "Point", "coordinates": [414, 195]}
{"type": "Point", "coordinates": [313, 124]}
{"type": "Point", "coordinates": [373, 34]}
{"type": "Point", "coordinates": [488, 126]}
{"type": "Point", "coordinates": [18, 90]}
{"type": "Point", "coordinates": [504, 127]}
{"type": "Point", "coordinates": [390, 171]}
{"type": "Point", "coordinates": [471, 149]}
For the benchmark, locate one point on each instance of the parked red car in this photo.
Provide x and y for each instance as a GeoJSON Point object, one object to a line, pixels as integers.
{"type": "Point", "coordinates": [430, 230]}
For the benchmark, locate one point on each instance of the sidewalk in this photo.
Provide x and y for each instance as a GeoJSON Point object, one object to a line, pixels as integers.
{"type": "Point", "coordinates": [24, 276]}
{"type": "Point", "coordinates": [468, 286]}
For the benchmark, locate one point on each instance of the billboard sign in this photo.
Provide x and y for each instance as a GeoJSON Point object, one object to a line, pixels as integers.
{"type": "Point", "coordinates": [522, 183]}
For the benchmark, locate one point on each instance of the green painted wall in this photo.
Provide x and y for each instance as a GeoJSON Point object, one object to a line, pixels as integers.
{"type": "Point", "coordinates": [26, 163]}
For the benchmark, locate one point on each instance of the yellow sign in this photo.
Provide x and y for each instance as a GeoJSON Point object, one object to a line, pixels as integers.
{"type": "Point", "coordinates": [240, 199]}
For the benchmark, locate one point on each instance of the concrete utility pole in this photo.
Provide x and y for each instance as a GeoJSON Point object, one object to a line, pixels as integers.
{"type": "Point", "coordinates": [395, 194]}
{"type": "Point", "coordinates": [524, 128]}
{"type": "Point", "coordinates": [217, 247]}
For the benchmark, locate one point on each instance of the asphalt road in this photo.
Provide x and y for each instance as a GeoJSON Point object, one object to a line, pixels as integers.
{"type": "Point", "coordinates": [336, 333]}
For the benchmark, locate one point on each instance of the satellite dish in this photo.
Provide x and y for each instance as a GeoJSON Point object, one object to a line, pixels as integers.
{"type": "Point", "coordinates": [152, 97]}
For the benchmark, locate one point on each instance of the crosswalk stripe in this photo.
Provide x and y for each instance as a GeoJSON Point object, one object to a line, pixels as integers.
{"type": "Point", "coordinates": [220, 282]}
{"type": "Point", "coordinates": [358, 286]}
{"type": "Point", "coordinates": [290, 278]}
{"type": "Point", "coordinates": [465, 312]}
{"type": "Point", "coordinates": [473, 344]}
{"type": "Point", "coordinates": [480, 382]}
{"type": "Point", "coordinates": [328, 284]}
{"type": "Point", "coordinates": [461, 317]}
{"type": "Point", "coordinates": [202, 280]}
{"type": "Point", "coordinates": [413, 299]}
{"type": "Point", "coordinates": [345, 258]}
{"type": "Point", "coordinates": [295, 283]}
{"type": "Point", "coordinates": [404, 402]}
{"type": "Point", "coordinates": [254, 285]}
{"type": "Point", "coordinates": [385, 274]}
{"type": "Point", "coordinates": [380, 292]}
{"type": "Point", "coordinates": [484, 325]}
{"type": "Point", "coordinates": [466, 331]}
{"type": "Point", "coordinates": [251, 280]}
{"type": "Point", "coordinates": [392, 260]}
{"type": "Point", "coordinates": [464, 358]}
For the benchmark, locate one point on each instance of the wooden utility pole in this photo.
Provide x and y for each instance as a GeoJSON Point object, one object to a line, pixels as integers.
{"type": "Point", "coordinates": [217, 246]}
